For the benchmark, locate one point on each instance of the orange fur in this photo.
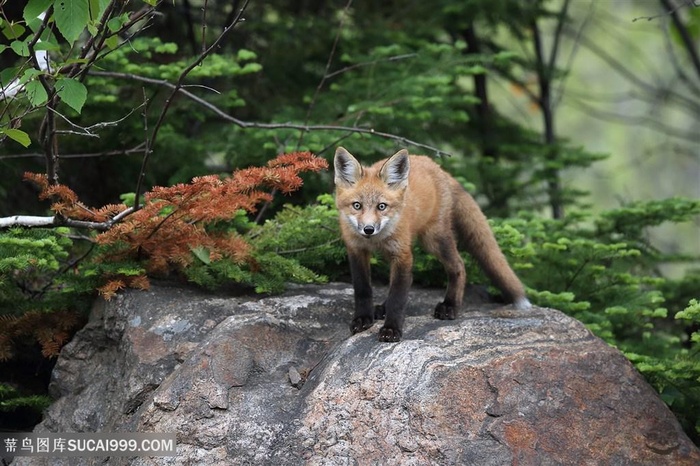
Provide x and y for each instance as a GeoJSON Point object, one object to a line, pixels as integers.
{"type": "Point", "coordinates": [386, 207]}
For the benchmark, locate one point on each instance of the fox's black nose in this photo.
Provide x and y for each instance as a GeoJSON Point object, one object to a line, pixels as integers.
{"type": "Point", "coordinates": [368, 229]}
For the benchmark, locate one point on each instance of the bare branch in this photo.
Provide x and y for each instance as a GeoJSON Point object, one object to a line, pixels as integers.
{"type": "Point", "coordinates": [60, 221]}
{"type": "Point", "coordinates": [27, 221]}
{"type": "Point", "coordinates": [134, 150]}
{"type": "Point", "coordinates": [45, 222]}
{"type": "Point", "coordinates": [258, 125]}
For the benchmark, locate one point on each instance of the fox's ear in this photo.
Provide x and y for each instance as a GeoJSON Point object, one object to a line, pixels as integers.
{"type": "Point", "coordinates": [347, 169]}
{"type": "Point", "coordinates": [394, 172]}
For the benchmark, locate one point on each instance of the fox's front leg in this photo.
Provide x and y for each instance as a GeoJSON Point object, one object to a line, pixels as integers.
{"type": "Point", "coordinates": [362, 284]}
{"type": "Point", "coordinates": [395, 304]}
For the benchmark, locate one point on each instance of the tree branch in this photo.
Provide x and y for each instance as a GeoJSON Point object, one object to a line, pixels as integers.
{"type": "Point", "coordinates": [686, 38]}
{"type": "Point", "coordinates": [59, 221]}
{"type": "Point", "coordinates": [134, 150]}
{"type": "Point", "coordinates": [258, 125]}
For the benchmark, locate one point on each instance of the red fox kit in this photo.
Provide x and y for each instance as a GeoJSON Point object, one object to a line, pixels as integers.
{"type": "Point", "coordinates": [387, 206]}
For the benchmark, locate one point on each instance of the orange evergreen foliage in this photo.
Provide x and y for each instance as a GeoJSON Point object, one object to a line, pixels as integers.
{"type": "Point", "coordinates": [173, 220]}
{"type": "Point", "coordinates": [50, 329]}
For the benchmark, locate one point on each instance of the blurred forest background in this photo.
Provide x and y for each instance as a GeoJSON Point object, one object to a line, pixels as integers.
{"type": "Point", "coordinates": [574, 123]}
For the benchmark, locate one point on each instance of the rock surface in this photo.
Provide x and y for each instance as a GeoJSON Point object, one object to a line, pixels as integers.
{"type": "Point", "coordinates": [281, 381]}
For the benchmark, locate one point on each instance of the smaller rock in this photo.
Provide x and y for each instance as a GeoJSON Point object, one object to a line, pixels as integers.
{"type": "Point", "coordinates": [295, 377]}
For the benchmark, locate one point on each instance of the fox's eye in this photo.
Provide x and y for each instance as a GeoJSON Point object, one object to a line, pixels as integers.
{"type": "Point", "coordinates": [381, 206]}
{"type": "Point", "coordinates": [356, 205]}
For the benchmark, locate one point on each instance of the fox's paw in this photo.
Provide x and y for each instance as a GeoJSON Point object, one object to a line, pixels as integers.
{"type": "Point", "coordinates": [390, 335]}
{"type": "Point", "coordinates": [379, 312]}
{"type": "Point", "coordinates": [445, 312]}
{"type": "Point", "coordinates": [361, 323]}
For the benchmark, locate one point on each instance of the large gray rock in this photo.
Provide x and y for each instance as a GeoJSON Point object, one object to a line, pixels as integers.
{"type": "Point", "coordinates": [281, 381]}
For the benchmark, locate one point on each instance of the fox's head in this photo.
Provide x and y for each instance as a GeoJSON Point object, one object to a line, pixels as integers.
{"type": "Point", "coordinates": [370, 199]}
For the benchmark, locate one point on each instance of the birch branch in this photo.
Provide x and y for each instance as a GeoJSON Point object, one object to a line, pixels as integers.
{"type": "Point", "coordinates": [32, 221]}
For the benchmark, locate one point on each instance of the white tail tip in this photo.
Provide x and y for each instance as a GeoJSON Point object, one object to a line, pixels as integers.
{"type": "Point", "coordinates": [522, 304]}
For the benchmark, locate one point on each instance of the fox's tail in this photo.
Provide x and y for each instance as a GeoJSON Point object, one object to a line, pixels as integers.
{"type": "Point", "coordinates": [474, 231]}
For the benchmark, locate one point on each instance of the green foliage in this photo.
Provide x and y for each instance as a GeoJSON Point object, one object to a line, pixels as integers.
{"type": "Point", "coordinates": [12, 400]}
{"type": "Point", "coordinates": [290, 247]}
{"type": "Point", "coordinates": [676, 374]}
{"type": "Point", "coordinates": [33, 267]}
{"type": "Point", "coordinates": [308, 235]}
{"type": "Point", "coordinates": [43, 302]}
{"type": "Point", "coordinates": [270, 274]}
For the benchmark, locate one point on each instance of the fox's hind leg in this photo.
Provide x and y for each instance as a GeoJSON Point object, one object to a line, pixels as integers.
{"type": "Point", "coordinates": [445, 249]}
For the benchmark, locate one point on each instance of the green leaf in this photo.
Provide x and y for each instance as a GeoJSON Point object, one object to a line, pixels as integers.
{"type": "Point", "coordinates": [29, 75]}
{"type": "Point", "coordinates": [115, 24]}
{"type": "Point", "coordinates": [20, 48]}
{"type": "Point", "coordinates": [251, 68]}
{"type": "Point", "coordinates": [8, 75]}
{"type": "Point", "coordinates": [36, 93]}
{"type": "Point", "coordinates": [201, 253]}
{"type": "Point", "coordinates": [245, 55]}
{"type": "Point", "coordinates": [128, 199]}
{"type": "Point", "coordinates": [112, 42]}
{"type": "Point", "coordinates": [72, 92]}
{"type": "Point", "coordinates": [97, 8]}
{"type": "Point", "coordinates": [34, 8]}
{"type": "Point", "coordinates": [18, 135]}
{"type": "Point", "coordinates": [71, 17]}
{"type": "Point", "coordinates": [13, 30]}
{"type": "Point", "coordinates": [49, 46]}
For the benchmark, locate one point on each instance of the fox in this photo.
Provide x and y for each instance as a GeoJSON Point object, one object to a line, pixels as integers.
{"type": "Point", "coordinates": [385, 208]}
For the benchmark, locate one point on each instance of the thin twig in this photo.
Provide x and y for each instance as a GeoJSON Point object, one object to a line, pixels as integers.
{"type": "Point", "coordinates": [669, 10]}
{"type": "Point", "coordinates": [370, 63]}
{"type": "Point", "coordinates": [574, 50]}
{"type": "Point", "coordinates": [204, 26]}
{"type": "Point", "coordinates": [89, 130]}
{"type": "Point", "coordinates": [309, 248]}
{"type": "Point", "coordinates": [331, 55]}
